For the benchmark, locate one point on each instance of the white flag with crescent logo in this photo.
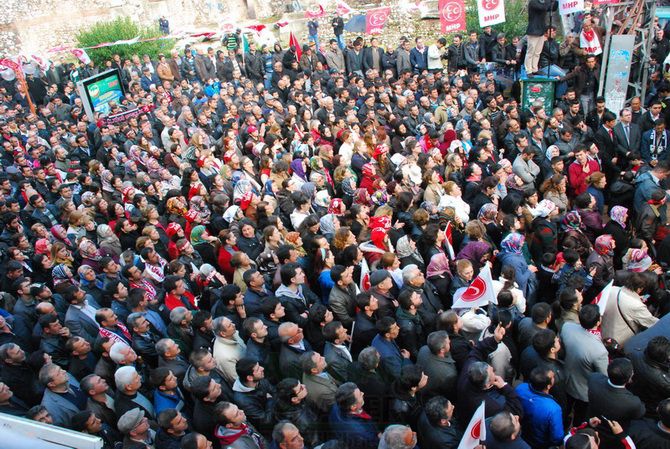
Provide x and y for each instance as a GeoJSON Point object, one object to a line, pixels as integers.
{"type": "Point", "coordinates": [479, 293]}
{"type": "Point", "coordinates": [475, 434]}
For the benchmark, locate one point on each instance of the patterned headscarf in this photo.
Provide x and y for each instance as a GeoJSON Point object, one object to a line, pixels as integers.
{"type": "Point", "coordinates": [604, 244]}
{"type": "Point", "coordinates": [618, 214]}
{"type": "Point", "coordinates": [572, 220]}
{"type": "Point", "coordinates": [513, 243]}
{"type": "Point", "coordinates": [59, 274]}
{"type": "Point", "coordinates": [335, 207]}
{"type": "Point", "coordinates": [487, 213]}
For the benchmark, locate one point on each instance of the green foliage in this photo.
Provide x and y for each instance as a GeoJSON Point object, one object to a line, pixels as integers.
{"type": "Point", "coordinates": [122, 29]}
{"type": "Point", "coordinates": [516, 18]}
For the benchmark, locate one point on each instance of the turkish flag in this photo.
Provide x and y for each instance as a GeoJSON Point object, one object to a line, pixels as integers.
{"type": "Point", "coordinates": [315, 13]}
{"type": "Point", "coordinates": [375, 20]}
{"type": "Point", "coordinates": [293, 42]}
{"type": "Point", "coordinates": [475, 434]}
{"type": "Point", "coordinates": [479, 293]}
{"type": "Point", "coordinates": [452, 15]}
{"type": "Point", "coordinates": [342, 8]}
{"type": "Point", "coordinates": [449, 240]}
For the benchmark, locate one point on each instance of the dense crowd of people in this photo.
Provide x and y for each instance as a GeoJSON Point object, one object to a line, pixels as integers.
{"type": "Point", "coordinates": [270, 253]}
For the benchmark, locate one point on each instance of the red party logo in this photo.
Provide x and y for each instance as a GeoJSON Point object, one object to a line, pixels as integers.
{"type": "Point", "coordinates": [475, 291]}
{"type": "Point", "coordinates": [378, 18]}
{"type": "Point", "coordinates": [490, 5]}
{"type": "Point", "coordinates": [476, 431]}
{"type": "Point", "coordinates": [452, 11]}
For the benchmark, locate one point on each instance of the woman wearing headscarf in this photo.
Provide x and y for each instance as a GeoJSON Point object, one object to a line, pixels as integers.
{"type": "Point", "coordinates": [92, 285]}
{"type": "Point", "coordinates": [204, 244]}
{"type": "Point", "coordinates": [617, 227]}
{"type": "Point", "coordinates": [374, 249]}
{"type": "Point", "coordinates": [90, 254]}
{"type": "Point", "coordinates": [176, 210]}
{"type": "Point", "coordinates": [299, 172]}
{"type": "Point", "coordinates": [60, 234]}
{"type": "Point", "coordinates": [439, 274]}
{"type": "Point", "coordinates": [511, 254]}
{"type": "Point", "coordinates": [108, 241]}
{"type": "Point", "coordinates": [408, 254]}
{"type": "Point", "coordinates": [602, 260]}
{"type": "Point", "coordinates": [174, 232]}
{"type": "Point", "coordinates": [573, 236]}
{"type": "Point", "coordinates": [475, 246]}
{"type": "Point", "coordinates": [488, 215]}
{"type": "Point", "coordinates": [330, 222]}
{"type": "Point", "coordinates": [62, 278]}
{"type": "Point", "coordinates": [43, 246]}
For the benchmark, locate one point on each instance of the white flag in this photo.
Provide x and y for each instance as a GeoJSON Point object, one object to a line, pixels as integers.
{"type": "Point", "coordinates": [491, 12]}
{"type": "Point", "coordinates": [603, 297]}
{"type": "Point", "coordinates": [478, 294]}
{"type": "Point", "coordinates": [475, 434]}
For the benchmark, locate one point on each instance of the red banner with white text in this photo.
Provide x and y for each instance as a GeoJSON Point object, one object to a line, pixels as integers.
{"type": "Point", "coordinates": [452, 15]}
{"type": "Point", "coordinates": [375, 20]}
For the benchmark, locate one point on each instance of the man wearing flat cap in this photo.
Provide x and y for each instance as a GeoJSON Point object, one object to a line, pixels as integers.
{"type": "Point", "coordinates": [135, 429]}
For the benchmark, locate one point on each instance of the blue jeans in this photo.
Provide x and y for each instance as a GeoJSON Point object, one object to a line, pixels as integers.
{"type": "Point", "coordinates": [340, 41]}
{"type": "Point", "coordinates": [314, 38]}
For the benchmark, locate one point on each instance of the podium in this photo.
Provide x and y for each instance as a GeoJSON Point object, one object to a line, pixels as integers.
{"type": "Point", "coordinates": [538, 88]}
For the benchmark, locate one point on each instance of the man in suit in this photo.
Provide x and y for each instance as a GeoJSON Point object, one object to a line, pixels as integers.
{"type": "Point", "coordinates": [321, 387]}
{"type": "Point", "coordinates": [403, 62]}
{"type": "Point", "coordinates": [335, 350]}
{"type": "Point", "coordinates": [655, 143]}
{"type": "Point", "coordinates": [418, 56]}
{"type": "Point", "coordinates": [62, 396]}
{"type": "Point", "coordinates": [293, 346]}
{"type": "Point", "coordinates": [585, 354]}
{"type": "Point", "coordinates": [204, 67]}
{"type": "Point", "coordinates": [628, 136]}
{"type": "Point", "coordinates": [609, 397]}
{"type": "Point", "coordinates": [372, 56]}
{"type": "Point", "coordinates": [80, 316]}
{"type": "Point", "coordinates": [606, 143]}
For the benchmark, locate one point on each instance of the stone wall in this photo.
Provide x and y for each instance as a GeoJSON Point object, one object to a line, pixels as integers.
{"type": "Point", "coordinates": [29, 26]}
{"type": "Point", "coordinates": [32, 26]}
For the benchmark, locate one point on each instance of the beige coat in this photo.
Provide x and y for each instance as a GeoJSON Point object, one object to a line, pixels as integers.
{"type": "Point", "coordinates": [631, 306]}
{"type": "Point", "coordinates": [227, 351]}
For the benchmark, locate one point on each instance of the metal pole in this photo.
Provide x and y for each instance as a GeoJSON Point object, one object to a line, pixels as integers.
{"type": "Point", "coordinates": [651, 7]}
{"type": "Point", "coordinates": [606, 50]}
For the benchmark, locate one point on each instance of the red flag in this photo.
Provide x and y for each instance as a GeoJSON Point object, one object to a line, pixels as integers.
{"type": "Point", "coordinates": [293, 42]}
{"type": "Point", "coordinates": [452, 15]}
{"type": "Point", "coordinates": [257, 28]}
{"type": "Point", "coordinates": [475, 434]}
{"type": "Point", "coordinates": [375, 19]}
{"type": "Point", "coordinates": [315, 13]}
{"type": "Point", "coordinates": [342, 8]}
{"type": "Point", "coordinates": [449, 241]}
{"type": "Point", "coordinates": [479, 293]}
